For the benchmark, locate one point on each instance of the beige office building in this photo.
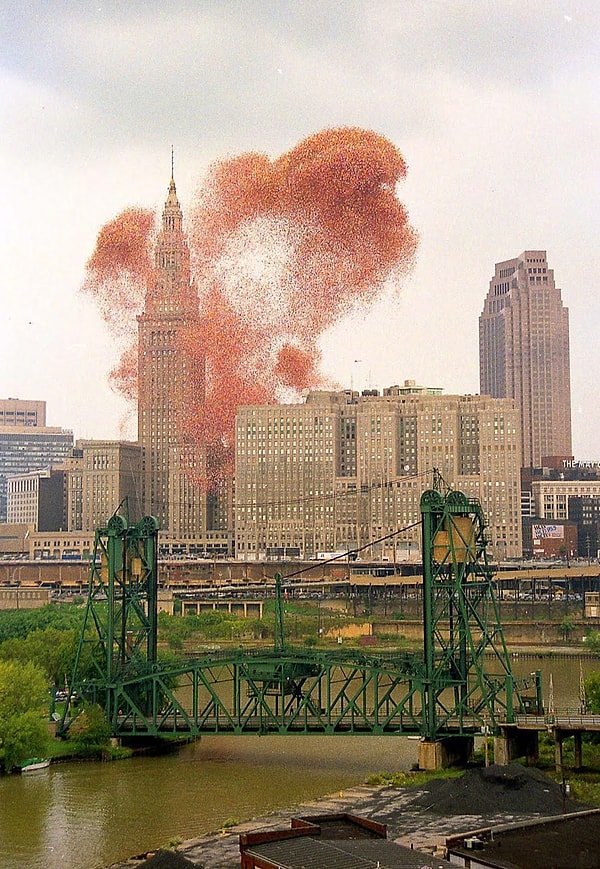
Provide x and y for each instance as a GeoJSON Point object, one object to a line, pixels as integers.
{"type": "Point", "coordinates": [101, 476]}
{"type": "Point", "coordinates": [344, 471]}
{"type": "Point", "coordinates": [524, 353]}
{"type": "Point", "coordinates": [22, 412]}
{"type": "Point", "coordinates": [37, 499]}
{"type": "Point", "coordinates": [552, 497]}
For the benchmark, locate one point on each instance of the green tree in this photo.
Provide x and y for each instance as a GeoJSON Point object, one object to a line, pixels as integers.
{"type": "Point", "coordinates": [19, 623]}
{"type": "Point", "coordinates": [592, 641]}
{"type": "Point", "coordinates": [26, 735]}
{"type": "Point", "coordinates": [592, 692]}
{"type": "Point", "coordinates": [23, 692]}
{"type": "Point", "coordinates": [51, 649]}
{"type": "Point", "coordinates": [566, 628]}
{"type": "Point", "coordinates": [90, 730]}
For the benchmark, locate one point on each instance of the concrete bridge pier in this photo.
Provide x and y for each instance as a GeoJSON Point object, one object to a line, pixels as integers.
{"type": "Point", "coordinates": [440, 753]}
{"type": "Point", "coordinates": [514, 743]}
{"type": "Point", "coordinates": [578, 750]}
{"type": "Point", "coordinates": [559, 737]}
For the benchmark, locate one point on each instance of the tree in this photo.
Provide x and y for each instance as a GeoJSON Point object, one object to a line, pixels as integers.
{"type": "Point", "coordinates": [26, 735]}
{"type": "Point", "coordinates": [23, 692]}
{"type": "Point", "coordinates": [19, 623]}
{"type": "Point", "coordinates": [50, 649]}
{"type": "Point", "coordinates": [90, 730]}
{"type": "Point", "coordinates": [592, 692]}
{"type": "Point", "coordinates": [566, 628]}
{"type": "Point", "coordinates": [592, 642]}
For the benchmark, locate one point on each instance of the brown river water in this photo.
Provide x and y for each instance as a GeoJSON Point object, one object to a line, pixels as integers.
{"type": "Point", "coordinates": [88, 815]}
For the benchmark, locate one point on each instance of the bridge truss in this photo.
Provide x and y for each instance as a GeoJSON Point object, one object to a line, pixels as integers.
{"type": "Point", "coordinates": [460, 685]}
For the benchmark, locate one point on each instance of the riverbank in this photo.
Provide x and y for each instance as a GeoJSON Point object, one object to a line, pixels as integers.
{"type": "Point", "coordinates": [420, 816]}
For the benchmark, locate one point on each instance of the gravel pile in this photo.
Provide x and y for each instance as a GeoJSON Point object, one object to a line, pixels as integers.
{"type": "Point", "coordinates": [512, 789]}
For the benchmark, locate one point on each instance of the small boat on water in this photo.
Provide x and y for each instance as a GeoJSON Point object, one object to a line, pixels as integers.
{"type": "Point", "coordinates": [33, 764]}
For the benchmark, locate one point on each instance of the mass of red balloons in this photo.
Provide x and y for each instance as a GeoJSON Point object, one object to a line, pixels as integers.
{"type": "Point", "coordinates": [280, 251]}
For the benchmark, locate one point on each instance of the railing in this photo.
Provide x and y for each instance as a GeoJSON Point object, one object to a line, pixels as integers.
{"type": "Point", "coordinates": [567, 719]}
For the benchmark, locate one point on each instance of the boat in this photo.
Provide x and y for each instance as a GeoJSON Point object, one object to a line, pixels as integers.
{"type": "Point", "coordinates": [33, 764]}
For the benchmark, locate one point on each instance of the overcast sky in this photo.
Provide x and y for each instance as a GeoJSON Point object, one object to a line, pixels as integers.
{"type": "Point", "coordinates": [494, 105]}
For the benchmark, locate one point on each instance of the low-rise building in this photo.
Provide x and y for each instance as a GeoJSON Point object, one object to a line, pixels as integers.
{"type": "Point", "coordinates": [562, 513]}
{"type": "Point", "coordinates": [37, 499]}
{"type": "Point", "coordinates": [20, 597]}
{"type": "Point", "coordinates": [337, 841]}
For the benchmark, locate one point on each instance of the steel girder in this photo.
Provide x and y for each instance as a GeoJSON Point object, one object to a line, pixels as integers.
{"type": "Point", "coordinates": [280, 692]}
{"type": "Point", "coordinates": [461, 685]}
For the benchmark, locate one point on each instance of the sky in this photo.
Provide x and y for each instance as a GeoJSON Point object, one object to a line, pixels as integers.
{"type": "Point", "coordinates": [494, 106]}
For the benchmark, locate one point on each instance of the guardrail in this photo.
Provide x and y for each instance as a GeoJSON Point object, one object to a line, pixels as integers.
{"type": "Point", "coordinates": [563, 719]}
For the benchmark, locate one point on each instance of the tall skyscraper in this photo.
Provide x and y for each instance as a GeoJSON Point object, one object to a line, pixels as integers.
{"type": "Point", "coordinates": [170, 383]}
{"type": "Point", "coordinates": [524, 353]}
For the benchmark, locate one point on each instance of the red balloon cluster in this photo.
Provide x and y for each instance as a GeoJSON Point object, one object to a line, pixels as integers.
{"type": "Point", "coordinates": [280, 251]}
{"type": "Point", "coordinates": [118, 274]}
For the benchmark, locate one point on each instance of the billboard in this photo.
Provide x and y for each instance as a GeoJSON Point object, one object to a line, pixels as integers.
{"type": "Point", "coordinates": [541, 532]}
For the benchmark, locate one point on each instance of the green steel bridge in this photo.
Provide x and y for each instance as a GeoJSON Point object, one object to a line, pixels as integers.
{"type": "Point", "coordinates": [460, 685]}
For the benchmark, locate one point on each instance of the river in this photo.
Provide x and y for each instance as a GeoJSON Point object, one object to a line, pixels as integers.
{"type": "Point", "coordinates": [88, 815]}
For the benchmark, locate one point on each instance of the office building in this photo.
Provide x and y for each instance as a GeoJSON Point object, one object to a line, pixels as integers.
{"type": "Point", "coordinates": [14, 411]}
{"type": "Point", "coordinates": [27, 444]}
{"type": "Point", "coordinates": [37, 499]}
{"type": "Point", "coordinates": [344, 471]}
{"type": "Point", "coordinates": [92, 483]}
{"type": "Point", "coordinates": [564, 518]}
{"type": "Point", "coordinates": [103, 476]}
{"type": "Point", "coordinates": [170, 384]}
{"type": "Point", "coordinates": [524, 353]}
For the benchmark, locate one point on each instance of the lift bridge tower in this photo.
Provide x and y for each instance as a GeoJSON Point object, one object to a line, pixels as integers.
{"type": "Point", "coordinates": [467, 666]}
{"type": "Point", "coordinates": [118, 640]}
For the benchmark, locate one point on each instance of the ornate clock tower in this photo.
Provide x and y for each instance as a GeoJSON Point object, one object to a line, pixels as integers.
{"type": "Point", "coordinates": [170, 383]}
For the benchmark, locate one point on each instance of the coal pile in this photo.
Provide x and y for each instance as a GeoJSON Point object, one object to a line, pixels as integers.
{"type": "Point", "coordinates": [511, 790]}
{"type": "Point", "coordinates": [164, 859]}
